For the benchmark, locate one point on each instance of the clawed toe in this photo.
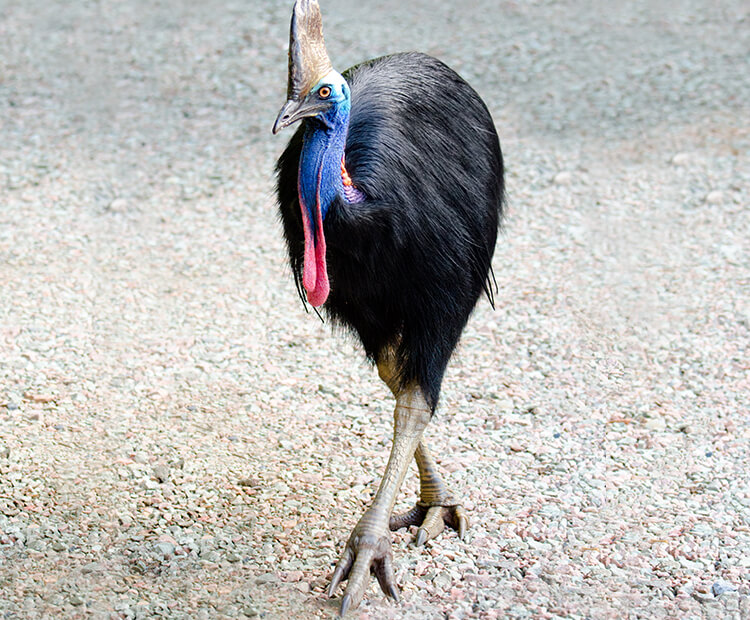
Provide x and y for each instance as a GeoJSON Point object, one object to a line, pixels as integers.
{"type": "Point", "coordinates": [432, 521]}
{"type": "Point", "coordinates": [364, 553]}
{"type": "Point", "coordinates": [368, 549]}
{"type": "Point", "coordinates": [415, 516]}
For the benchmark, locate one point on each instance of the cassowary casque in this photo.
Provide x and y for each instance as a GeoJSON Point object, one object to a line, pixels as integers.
{"type": "Point", "coordinates": [390, 195]}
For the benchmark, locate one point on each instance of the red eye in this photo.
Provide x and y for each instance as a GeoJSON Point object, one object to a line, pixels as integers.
{"type": "Point", "coordinates": [324, 92]}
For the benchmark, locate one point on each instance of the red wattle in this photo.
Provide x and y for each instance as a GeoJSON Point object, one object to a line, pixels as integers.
{"type": "Point", "coordinates": [318, 296]}
{"type": "Point", "coordinates": [314, 271]}
{"type": "Point", "coordinates": [309, 272]}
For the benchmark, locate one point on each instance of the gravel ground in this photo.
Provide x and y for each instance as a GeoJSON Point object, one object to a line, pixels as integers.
{"type": "Point", "coordinates": [179, 439]}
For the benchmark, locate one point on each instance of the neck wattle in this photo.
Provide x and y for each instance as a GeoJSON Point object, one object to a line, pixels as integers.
{"type": "Point", "coordinates": [320, 182]}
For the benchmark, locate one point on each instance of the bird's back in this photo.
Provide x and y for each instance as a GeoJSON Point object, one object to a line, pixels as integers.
{"type": "Point", "coordinates": [408, 264]}
{"type": "Point", "coordinates": [419, 132]}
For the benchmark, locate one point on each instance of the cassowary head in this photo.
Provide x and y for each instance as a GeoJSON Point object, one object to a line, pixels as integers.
{"type": "Point", "coordinates": [314, 88]}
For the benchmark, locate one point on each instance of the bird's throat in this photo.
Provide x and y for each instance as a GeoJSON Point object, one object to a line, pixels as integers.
{"type": "Point", "coordinates": [320, 182]}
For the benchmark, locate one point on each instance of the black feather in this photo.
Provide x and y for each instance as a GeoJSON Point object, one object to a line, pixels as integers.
{"type": "Point", "coordinates": [408, 264]}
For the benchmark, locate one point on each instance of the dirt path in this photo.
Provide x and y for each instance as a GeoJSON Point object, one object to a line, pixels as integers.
{"type": "Point", "coordinates": [177, 437]}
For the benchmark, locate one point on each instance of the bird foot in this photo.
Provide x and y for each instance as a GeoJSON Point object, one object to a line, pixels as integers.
{"type": "Point", "coordinates": [432, 517]}
{"type": "Point", "coordinates": [367, 550]}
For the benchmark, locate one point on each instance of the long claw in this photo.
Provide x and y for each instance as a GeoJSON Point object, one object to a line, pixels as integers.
{"type": "Point", "coordinates": [393, 593]}
{"type": "Point", "coordinates": [338, 575]}
{"type": "Point", "coordinates": [421, 537]}
{"type": "Point", "coordinates": [346, 603]}
{"type": "Point", "coordinates": [462, 522]}
{"type": "Point", "coordinates": [386, 577]}
{"type": "Point", "coordinates": [341, 571]}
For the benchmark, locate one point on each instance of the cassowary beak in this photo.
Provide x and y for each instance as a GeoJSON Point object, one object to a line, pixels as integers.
{"type": "Point", "coordinates": [287, 115]}
{"type": "Point", "coordinates": [294, 110]}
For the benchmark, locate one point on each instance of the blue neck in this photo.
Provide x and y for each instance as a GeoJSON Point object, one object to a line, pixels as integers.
{"type": "Point", "coordinates": [322, 149]}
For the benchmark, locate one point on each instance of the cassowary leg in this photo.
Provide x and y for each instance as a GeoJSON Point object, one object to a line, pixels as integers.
{"type": "Point", "coordinates": [436, 506]}
{"type": "Point", "coordinates": [369, 546]}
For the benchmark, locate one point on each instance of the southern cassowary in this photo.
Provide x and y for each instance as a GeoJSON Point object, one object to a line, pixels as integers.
{"type": "Point", "coordinates": [390, 194]}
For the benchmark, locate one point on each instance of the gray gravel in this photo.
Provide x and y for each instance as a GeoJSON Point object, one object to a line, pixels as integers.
{"type": "Point", "coordinates": [177, 437]}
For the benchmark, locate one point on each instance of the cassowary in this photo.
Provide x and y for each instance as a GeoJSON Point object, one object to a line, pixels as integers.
{"type": "Point", "coordinates": [390, 195]}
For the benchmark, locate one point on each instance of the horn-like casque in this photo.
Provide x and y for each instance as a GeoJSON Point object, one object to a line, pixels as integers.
{"type": "Point", "coordinates": [308, 59]}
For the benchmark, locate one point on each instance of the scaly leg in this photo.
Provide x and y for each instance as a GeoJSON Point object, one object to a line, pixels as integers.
{"type": "Point", "coordinates": [369, 546]}
{"type": "Point", "coordinates": [436, 506]}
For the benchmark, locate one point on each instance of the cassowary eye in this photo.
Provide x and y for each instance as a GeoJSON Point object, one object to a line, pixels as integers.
{"type": "Point", "coordinates": [324, 92]}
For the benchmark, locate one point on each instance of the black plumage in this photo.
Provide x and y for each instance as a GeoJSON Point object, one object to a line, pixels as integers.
{"type": "Point", "coordinates": [408, 264]}
{"type": "Point", "coordinates": [391, 195]}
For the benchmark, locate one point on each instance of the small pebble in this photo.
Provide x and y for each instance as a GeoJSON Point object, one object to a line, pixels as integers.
{"type": "Point", "coordinates": [442, 581]}
{"type": "Point", "coordinates": [563, 178]}
{"type": "Point", "coordinates": [720, 587]}
{"type": "Point", "coordinates": [165, 549]}
{"type": "Point", "coordinates": [90, 568]}
{"type": "Point", "coordinates": [657, 423]}
{"type": "Point", "coordinates": [39, 397]}
{"type": "Point", "coordinates": [267, 578]}
{"type": "Point", "coordinates": [75, 600]}
{"type": "Point", "coordinates": [715, 197]}
{"type": "Point", "coordinates": [118, 205]}
{"type": "Point", "coordinates": [161, 472]}
{"type": "Point", "coordinates": [680, 159]}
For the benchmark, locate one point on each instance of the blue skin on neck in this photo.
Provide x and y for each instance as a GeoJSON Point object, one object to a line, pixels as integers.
{"type": "Point", "coordinates": [322, 149]}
